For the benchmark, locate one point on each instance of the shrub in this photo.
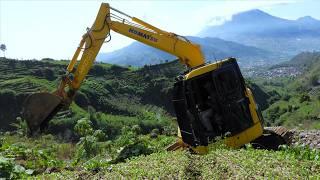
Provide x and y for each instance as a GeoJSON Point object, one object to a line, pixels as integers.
{"type": "Point", "coordinates": [314, 80]}
{"type": "Point", "coordinates": [286, 97]}
{"type": "Point", "coordinates": [136, 149]}
{"type": "Point", "coordinates": [301, 152]}
{"type": "Point", "coordinates": [81, 99]}
{"type": "Point", "coordinates": [49, 74]}
{"type": "Point", "coordinates": [100, 135]}
{"type": "Point", "coordinates": [21, 126]}
{"type": "Point", "coordinates": [98, 70]}
{"type": "Point", "coordinates": [304, 97]}
{"type": "Point", "coordinates": [83, 127]}
{"type": "Point", "coordinates": [154, 133]}
{"type": "Point", "coordinates": [136, 129]}
{"type": "Point", "coordinates": [10, 170]}
{"type": "Point", "coordinates": [87, 147]}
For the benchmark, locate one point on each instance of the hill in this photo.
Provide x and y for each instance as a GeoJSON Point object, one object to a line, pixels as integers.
{"type": "Point", "coordinates": [259, 29]}
{"type": "Point", "coordinates": [120, 95]}
{"type": "Point", "coordinates": [138, 54]}
{"type": "Point", "coordinates": [110, 89]}
{"type": "Point", "coordinates": [295, 89]}
{"type": "Point", "coordinates": [119, 126]}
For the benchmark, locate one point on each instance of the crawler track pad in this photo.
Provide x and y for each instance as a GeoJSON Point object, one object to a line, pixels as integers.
{"type": "Point", "coordinates": [39, 108]}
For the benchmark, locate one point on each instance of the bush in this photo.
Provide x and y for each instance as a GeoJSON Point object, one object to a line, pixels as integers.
{"type": "Point", "coordinates": [274, 113]}
{"type": "Point", "coordinates": [304, 97]}
{"type": "Point", "coordinates": [154, 133]}
{"type": "Point", "coordinates": [314, 80]}
{"type": "Point", "coordinates": [21, 126]}
{"type": "Point", "coordinates": [10, 170]}
{"type": "Point", "coordinates": [49, 74]}
{"type": "Point", "coordinates": [87, 147]}
{"type": "Point", "coordinates": [83, 127]}
{"type": "Point", "coordinates": [136, 129]}
{"type": "Point", "coordinates": [301, 152]}
{"type": "Point", "coordinates": [81, 99]}
{"type": "Point", "coordinates": [100, 135]}
{"type": "Point", "coordinates": [136, 149]}
{"type": "Point", "coordinates": [286, 97]}
{"type": "Point", "coordinates": [98, 70]}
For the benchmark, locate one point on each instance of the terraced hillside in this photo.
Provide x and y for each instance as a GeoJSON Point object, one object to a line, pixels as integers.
{"type": "Point", "coordinates": [120, 123]}
{"type": "Point", "coordinates": [108, 88]}
{"type": "Point", "coordinates": [120, 92]}
{"type": "Point", "coordinates": [296, 96]}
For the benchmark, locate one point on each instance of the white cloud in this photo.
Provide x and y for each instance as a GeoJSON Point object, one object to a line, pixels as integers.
{"type": "Point", "coordinates": [218, 12]}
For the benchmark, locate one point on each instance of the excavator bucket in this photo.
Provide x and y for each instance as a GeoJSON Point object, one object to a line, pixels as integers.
{"type": "Point", "coordinates": [39, 108]}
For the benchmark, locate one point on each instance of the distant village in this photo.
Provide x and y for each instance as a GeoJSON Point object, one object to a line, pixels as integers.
{"type": "Point", "coordinates": [290, 71]}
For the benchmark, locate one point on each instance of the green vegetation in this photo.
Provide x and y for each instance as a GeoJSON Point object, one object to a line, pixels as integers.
{"type": "Point", "coordinates": [122, 120]}
{"type": "Point", "coordinates": [49, 157]}
{"type": "Point", "coordinates": [294, 101]}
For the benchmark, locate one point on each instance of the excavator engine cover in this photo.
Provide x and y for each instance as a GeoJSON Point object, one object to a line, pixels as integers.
{"type": "Point", "coordinates": [38, 108]}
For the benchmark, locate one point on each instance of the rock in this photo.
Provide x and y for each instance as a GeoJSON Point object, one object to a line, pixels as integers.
{"type": "Point", "coordinates": [312, 145]}
{"type": "Point", "coordinates": [302, 135]}
{"type": "Point", "coordinates": [51, 170]}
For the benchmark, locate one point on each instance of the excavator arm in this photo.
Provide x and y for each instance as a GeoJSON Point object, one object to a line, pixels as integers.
{"type": "Point", "coordinates": [107, 19]}
{"type": "Point", "coordinates": [188, 53]}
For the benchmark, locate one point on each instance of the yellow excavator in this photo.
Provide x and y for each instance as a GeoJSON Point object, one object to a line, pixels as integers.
{"type": "Point", "coordinates": [210, 100]}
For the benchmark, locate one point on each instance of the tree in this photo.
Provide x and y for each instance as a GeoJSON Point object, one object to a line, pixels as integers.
{"type": "Point", "coordinates": [3, 48]}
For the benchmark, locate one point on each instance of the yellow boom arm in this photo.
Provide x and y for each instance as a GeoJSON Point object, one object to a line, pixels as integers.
{"type": "Point", "coordinates": [188, 53]}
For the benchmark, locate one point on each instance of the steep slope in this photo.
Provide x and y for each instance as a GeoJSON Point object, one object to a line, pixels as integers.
{"type": "Point", "coordinates": [138, 54]}
{"type": "Point", "coordinates": [296, 98]}
{"type": "Point", "coordinates": [110, 89]}
{"type": "Point", "coordinates": [262, 30]}
{"type": "Point", "coordinates": [220, 163]}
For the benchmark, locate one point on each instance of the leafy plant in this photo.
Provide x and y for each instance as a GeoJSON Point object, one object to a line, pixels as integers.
{"type": "Point", "coordinates": [83, 127]}
{"type": "Point", "coordinates": [21, 126]}
{"type": "Point", "coordinates": [301, 152]}
{"type": "Point", "coordinates": [10, 170]}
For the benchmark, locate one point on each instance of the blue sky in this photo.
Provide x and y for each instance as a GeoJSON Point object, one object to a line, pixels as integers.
{"type": "Point", "coordinates": [38, 29]}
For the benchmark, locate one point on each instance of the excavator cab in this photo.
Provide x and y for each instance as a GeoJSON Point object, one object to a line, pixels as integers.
{"type": "Point", "coordinates": [212, 101]}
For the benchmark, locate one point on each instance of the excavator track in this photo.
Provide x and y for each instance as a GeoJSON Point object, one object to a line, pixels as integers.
{"type": "Point", "coordinates": [273, 137]}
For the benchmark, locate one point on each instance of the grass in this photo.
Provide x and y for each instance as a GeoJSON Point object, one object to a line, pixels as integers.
{"type": "Point", "coordinates": [220, 163]}
{"type": "Point", "coordinates": [47, 157]}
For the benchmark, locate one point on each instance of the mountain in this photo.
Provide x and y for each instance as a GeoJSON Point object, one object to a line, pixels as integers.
{"type": "Point", "coordinates": [138, 54]}
{"type": "Point", "coordinates": [257, 28]}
